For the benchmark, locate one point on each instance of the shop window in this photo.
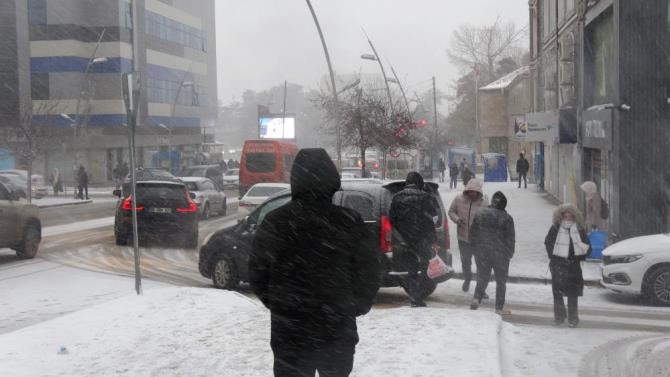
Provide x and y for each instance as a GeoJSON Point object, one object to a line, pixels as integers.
{"type": "Point", "coordinates": [599, 56]}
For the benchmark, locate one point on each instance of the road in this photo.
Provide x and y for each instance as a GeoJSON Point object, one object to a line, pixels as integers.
{"type": "Point", "coordinates": [93, 248]}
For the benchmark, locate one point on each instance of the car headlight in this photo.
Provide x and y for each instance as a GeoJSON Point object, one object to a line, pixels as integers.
{"type": "Point", "coordinates": [621, 259]}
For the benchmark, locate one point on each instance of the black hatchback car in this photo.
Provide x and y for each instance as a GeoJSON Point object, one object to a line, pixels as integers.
{"type": "Point", "coordinates": [224, 256]}
{"type": "Point", "coordinates": [165, 209]}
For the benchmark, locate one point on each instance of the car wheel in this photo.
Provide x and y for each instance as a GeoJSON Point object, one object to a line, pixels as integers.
{"type": "Point", "coordinates": [657, 286]}
{"type": "Point", "coordinates": [224, 273]}
{"type": "Point", "coordinates": [121, 239]}
{"type": "Point", "coordinates": [205, 212]}
{"type": "Point", "coordinates": [30, 243]}
{"type": "Point", "coordinates": [224, 207]}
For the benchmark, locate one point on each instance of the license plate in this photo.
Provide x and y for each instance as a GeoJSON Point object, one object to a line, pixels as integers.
{"type": "Point", "coordinates": [160, 210]}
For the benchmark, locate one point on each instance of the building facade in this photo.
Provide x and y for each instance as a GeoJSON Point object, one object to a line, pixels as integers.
{"type": "Point", "coordinates": [601, 107]}
{"type": "Point", "coordinates": [77, 52]}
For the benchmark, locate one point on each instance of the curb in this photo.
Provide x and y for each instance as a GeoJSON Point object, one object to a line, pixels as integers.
{"type": "Point", "coordinates": [529, 280]}
{"type": "Point", "coordinates": [65, 204]}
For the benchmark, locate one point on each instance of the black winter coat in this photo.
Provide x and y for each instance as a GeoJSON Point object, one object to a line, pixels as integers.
{"type": "Point", "coordinates": [411, 213]}
{"type": "Point", "coordinates": [522, 165]}
{"type": "Point", "coordinates": [566, 274]}
{"type": "Point", "coordinates": [312, 261]}
{"type": "Point", "coordinates": [453, 171]}
{"type": "Point", "coordinates": [492, 234]}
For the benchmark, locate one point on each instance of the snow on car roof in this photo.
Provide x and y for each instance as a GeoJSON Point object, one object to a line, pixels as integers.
{"type": "Point", "coordinates": [275, 184]}
{"type": "Point", "coordinates": [193, 179]}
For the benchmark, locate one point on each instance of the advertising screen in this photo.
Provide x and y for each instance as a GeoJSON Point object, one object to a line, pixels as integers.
{"type": "Point", "coordinates": [277, 128]}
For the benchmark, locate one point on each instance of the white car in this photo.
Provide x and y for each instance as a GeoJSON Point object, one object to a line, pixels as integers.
{"type": "Point", "coordinates": [231, 179]}
{"type": "Point", "coordinates": [639, 266]}
{"type": "Point", "coordinates": [20, 181]}
{"type": "Point", "coordinates": [258, 194]}
{"type": "Point", "coordinates": [208, 198]}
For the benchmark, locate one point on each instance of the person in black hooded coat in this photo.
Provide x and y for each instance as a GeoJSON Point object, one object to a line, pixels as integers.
{"type": "Point", "coordinates": [315, 266]}
{"type": "Point", "coordinates": [493, 239]}
{"type": "Point", "coordinates": [411, 214]}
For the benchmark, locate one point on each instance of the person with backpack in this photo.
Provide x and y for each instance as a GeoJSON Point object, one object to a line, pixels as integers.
{"type": "Point", "coordinates": [467, 174]}
{"type": "Point", "coordinates": [597, 210]}
{"type": "Point", "coordinates": [453, 175]}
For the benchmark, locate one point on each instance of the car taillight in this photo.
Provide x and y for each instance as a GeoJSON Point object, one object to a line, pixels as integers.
{"type": "Point", "coordinates": [191, 206]}
{"type": "Point", "coordinates": [127, 204]}
{"type": "Point", "coordinates": [386, 235]}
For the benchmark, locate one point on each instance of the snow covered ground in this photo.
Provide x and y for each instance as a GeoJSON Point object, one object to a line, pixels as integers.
{"type": "Point", "coordinates": [205, 332]}
{"type": "Point", "coordinates": [532, 212]}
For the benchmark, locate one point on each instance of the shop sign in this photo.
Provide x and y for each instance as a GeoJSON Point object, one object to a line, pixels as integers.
{"type": "Point", "coordinates": [542, 127]}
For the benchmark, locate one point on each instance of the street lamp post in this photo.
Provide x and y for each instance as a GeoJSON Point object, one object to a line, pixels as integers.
{"type": "Point", "coordinates": [332, 83]}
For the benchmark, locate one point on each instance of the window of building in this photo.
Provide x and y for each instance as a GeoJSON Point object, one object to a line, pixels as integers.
{"type": "Point", "coordinates": [37, 12]}
{"type": "Point", "coordinates": [170, 30]}
{"type": "Point", "coordinates": [165, 91]}
{"type": "Point", "coordinates": [127, 12]}
{"type": "Point", "coordinates": [39, 86]}
{"type": "Point", "coordinates": [599, 60]}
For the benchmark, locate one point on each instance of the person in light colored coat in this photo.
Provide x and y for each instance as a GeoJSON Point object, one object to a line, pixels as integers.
{"type": "Point", "coordinates": [593, 219]}
{"type": "Point", "coordinates": [462, 212]}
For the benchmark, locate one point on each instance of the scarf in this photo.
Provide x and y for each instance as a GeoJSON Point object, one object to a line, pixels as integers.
{"type": "Point", "coordinates": [562, 245]}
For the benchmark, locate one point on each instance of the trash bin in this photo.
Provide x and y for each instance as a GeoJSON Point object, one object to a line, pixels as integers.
{"type": "Point", "coordinates": [598, 241]}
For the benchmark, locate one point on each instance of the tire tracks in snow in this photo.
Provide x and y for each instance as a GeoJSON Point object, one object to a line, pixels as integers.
{"type": "Point", "coordinates": [645, 356]}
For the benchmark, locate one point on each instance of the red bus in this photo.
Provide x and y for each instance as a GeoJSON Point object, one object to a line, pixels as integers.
{"type": "Point", "coordinates": [265, 161]}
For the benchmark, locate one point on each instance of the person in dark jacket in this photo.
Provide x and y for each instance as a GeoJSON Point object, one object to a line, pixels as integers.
{"type": "Point", "coordinates": [466, 174]}
{"type": "Point", "coordinates": [411, 213]}
{"type": "Point", "coordinates": [442, 168]}
{"type": "Point", "coordinates": [315, 266]}
{"type": "Point", "coordinates": [453, 175]}
{"type": "Point", "coordinates": [82, 183]}
{"type": "Point", "coordinates": [493, 239]}
{"type": "Point", "coordinates": [567, 246]}
{"type": "Point", "coordinates": [522, 167]}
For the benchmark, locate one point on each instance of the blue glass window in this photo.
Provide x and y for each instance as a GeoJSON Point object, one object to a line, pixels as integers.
{"type": "Point", "coordinates": [173, 31]}
{"type": "Point", "coordinates": [37, 12]}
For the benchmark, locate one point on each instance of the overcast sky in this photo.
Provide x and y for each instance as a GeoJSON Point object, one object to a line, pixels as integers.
{"type": "Point", "coordinates": [261, 43]}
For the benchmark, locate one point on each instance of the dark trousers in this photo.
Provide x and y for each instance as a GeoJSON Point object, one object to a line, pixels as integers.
{"type": "Point", "coordinates": [559, 307]}
{"type": "Point", "coordinates": [301, 349]}
{"type": "Point", "coordinates": [83, 189]}
{"type": "Point", "coordinates": [500, 267]}
{"type": "Point", "coordinates": [466, 252]}
{"type": "Point", "coordinates": [523, 176]}
{"type": "Point", "coordinates": [453, 182]}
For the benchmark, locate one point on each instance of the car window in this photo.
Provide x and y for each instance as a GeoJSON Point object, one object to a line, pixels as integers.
{"type": "Point", "coordinates": [192, 186]}
{"type": "Point", "coordinates": [361, 202]}
{"type": "Point", "coordinates": [261, 162]}
{"type": "Point", "coordinates": [4, 193]}
{"type": "Point", "coordinates": [271, 206]}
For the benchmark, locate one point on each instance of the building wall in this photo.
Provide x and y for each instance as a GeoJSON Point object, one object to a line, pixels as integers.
{"type": "Point", "coordinates": [493, 113]}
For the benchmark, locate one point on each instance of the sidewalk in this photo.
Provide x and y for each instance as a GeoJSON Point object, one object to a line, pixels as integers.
{"type": "Point", "coordinates": [532, 211]}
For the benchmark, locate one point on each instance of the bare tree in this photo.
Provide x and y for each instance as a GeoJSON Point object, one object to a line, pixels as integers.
{"type": "Point", "coordinates": [483, 46]}
{"type": "Point", "coordinates": [366, 121]}
{"type": "Point", "coordinates": [28, 139]}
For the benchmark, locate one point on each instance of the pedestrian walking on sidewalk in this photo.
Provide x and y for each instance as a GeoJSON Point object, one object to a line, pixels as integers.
{"type": "Point", "coordinates": [567, 246]}
{"type": "Point", "coordinates": [466, 174]}
{"type": "Point", "coordinates": [314, 265]}
{"type": "Point", "coordinates": [443, 168]}
{"type": "Point", "coordinates": [82, 183]}
{"type": "Point", "coordinates": [462, 211]}
{"type": "Point", "coordinates": [453, 175]}
{"type": "Point", "coordinates": [411, 213]}
{"type": "Point", "coordinates": [522, 168]}
{"type": "Point", "coordinates": [493, 240]}
{"type": "Point", "coordinates": [597, 210]}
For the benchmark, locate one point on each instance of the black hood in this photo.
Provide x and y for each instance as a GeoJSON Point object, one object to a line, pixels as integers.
{"type": "Point", "coordinates": [499, 201]}
{"type": "Point", "coordinates": [314, 176]}
{"type": "Point", "coordinates": [414, 178]}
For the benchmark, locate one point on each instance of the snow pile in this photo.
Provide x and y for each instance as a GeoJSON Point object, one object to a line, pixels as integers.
{"type": "Point", "coordinates": [205, 332]}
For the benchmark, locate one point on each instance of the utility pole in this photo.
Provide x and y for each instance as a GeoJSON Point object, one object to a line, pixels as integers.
{"type": "Point", "coordinates": [479, 133]}
{"type": "Point", "coordinates": [332, 84]}
{"type": "Point", "coordinates": [435, 113]}
{"type": "Point", "coordinates": [133, 103]}
{"type": "Point", "coordinates": [283, 122]}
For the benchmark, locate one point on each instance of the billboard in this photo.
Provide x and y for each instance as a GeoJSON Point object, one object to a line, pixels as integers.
{"type": "Point", "coordinates": [277, 127]}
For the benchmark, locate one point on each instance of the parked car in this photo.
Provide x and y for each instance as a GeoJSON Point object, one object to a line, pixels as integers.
{"type": "Point", "coordinates": [212, 172]}
{"type": "Point", "coordinates": [20, 226]}
{"type": "Point", "coordinates": [639, 266]}
{"type": "Point", "coordinates": [20, 181]}
{"type": "Point", "coordinates": [165, 208]}
{"type": "Point", "coordinates": [231, 180]}
{"type": "Point", "coordinates": [361, 180]}
{"type": "Point", "coordinates": [224, 255]}
{"type": "Point", "coordinates": [258, 194]}
{"type": "Point", "coordinates": [11, 184]}
{"type": "Point", "coordinates": [208, 197]}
